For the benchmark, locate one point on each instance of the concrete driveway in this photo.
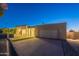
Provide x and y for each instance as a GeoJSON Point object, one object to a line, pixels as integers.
{"type": "Point", "coordinates": [38, 47]}
{"type": "Point", "coordinates": [44, 47]}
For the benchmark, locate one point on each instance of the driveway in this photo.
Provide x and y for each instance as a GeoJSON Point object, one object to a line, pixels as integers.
{"type": "Point", "coordinates": [44, 47]}
{"type": "Point", "coordinates": [38, 47]}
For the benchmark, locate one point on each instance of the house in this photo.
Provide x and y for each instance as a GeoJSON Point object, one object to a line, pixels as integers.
{"type": "Point", "coordinates": [53, 31]}
{"type": "Point", "coordinates": [72, 35]}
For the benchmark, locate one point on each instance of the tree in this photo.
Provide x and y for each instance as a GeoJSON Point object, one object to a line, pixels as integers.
{"type": "Point", "coordinates": [5, 30]}
{"type": "Point", "coordinates": [1, 11]}
{"type": "Point", "coordinates": [1, 31]}
{"type": "Point", "coordinates": [12, 30]}
{"type": "Point", "coordinates": [3, 7]}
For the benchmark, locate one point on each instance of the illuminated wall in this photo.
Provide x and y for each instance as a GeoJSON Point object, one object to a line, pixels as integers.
{"type": "Point", "coordinates": [32, 32]}
{"type": "Point", "coordinates": [24, 32]}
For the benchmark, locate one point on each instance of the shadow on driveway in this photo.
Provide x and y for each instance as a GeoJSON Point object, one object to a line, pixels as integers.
{"type": "Point", "coordinates": [68, 50]}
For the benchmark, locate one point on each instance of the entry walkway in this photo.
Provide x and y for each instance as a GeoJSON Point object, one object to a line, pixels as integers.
{"type": "Point", "coordinates": [43, 47]}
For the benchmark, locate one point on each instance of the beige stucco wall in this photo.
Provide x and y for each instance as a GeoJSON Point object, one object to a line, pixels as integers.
{"type": "Point", "coordinates": [32, 32]}
{"type": "Point", "coordinates": [21, 32]}
{"type": "Point", "coordinates": [26, 32]}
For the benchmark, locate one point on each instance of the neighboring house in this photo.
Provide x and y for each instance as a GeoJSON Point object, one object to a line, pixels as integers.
{"type": "Point", "coordinates": [73, 35]}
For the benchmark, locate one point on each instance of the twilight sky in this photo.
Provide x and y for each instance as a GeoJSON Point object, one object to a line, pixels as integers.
{"type": "Point", "coordinates": [34, 14]}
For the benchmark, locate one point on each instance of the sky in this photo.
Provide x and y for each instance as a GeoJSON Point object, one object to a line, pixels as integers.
{"type": "Point", "coordinates": [38, 13]}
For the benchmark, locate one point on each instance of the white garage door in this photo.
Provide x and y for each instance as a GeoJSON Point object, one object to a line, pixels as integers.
{"type": "Point", "coordinates": [48, 33]}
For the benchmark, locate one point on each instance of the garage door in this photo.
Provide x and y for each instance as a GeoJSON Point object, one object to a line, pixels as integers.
{"type": "Point", "coordinates": [48, 33]}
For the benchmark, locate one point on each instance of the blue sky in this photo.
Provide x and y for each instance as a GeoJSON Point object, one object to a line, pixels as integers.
{"type": "Point", "coordinates": [34, 14]}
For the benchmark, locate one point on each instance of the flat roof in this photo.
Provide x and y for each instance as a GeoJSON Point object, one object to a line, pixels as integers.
{"type": "Point", "coordinates": [42, 24]}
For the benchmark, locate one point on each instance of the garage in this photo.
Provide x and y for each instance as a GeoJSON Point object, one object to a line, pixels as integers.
{"type": "Point", "coordinates": [48, 33]}
{"type": "Point", "coordinates": [54, 31]}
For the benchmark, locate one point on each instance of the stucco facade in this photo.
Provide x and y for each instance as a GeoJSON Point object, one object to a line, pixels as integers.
{"type": "Point", "coordinates": [24, 32]}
